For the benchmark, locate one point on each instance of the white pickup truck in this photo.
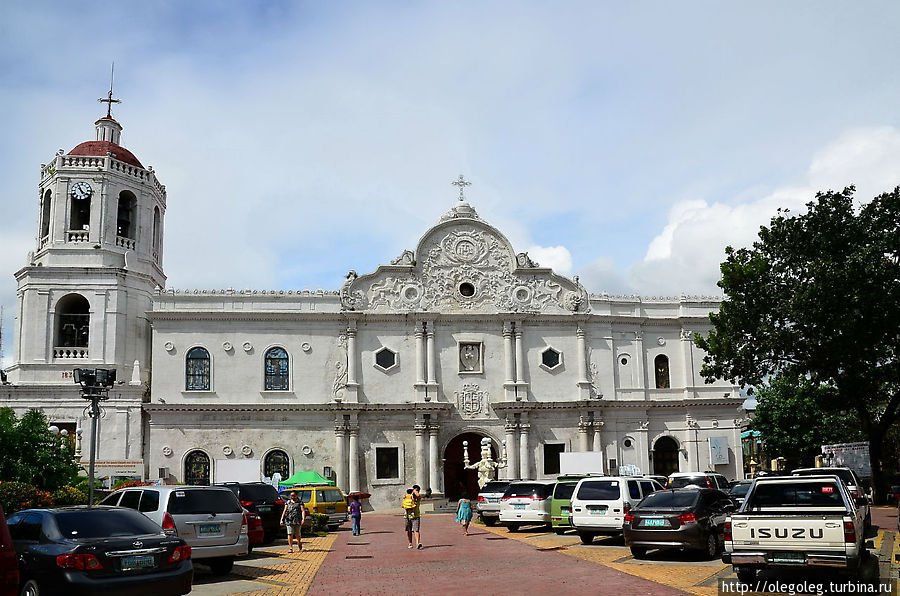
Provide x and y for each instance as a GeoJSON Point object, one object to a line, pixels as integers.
{"type": "Point", "coordinates": [797, 521]}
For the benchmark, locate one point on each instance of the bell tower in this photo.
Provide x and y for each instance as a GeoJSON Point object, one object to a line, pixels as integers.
{"type": "Point", "coordinates": [84, 293]}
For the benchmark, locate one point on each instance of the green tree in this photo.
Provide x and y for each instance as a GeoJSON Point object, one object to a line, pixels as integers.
{"type": "Point", "coordinates": [816, 297]}
{"type": "Point", "coordinates": [795, 418]}
{"type": "Point", "coordinates": [31, 454]}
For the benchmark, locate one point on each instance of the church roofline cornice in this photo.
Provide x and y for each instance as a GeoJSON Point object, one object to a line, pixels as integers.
{"type": "Point", "coordinates": [601, 404]}
{"type": "Point", "coordinates": [333, 407]}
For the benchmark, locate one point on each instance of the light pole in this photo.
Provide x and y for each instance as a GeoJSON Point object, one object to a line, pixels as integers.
{"type": "Point", "coordinates": [95, 384]}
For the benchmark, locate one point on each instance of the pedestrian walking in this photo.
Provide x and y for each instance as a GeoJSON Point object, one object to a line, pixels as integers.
{"type": "Point", "coordinates": [412, 517]}
{"type": "Point", "coordinates": [464, 512]}
{"type": "Point", "coordinates": [355, 514]}
{"type": "Point", "coordinates": [292, 518]}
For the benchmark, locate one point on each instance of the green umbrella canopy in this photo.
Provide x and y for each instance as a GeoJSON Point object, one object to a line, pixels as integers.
{"type": "Point", "coordinates": [306, 478]}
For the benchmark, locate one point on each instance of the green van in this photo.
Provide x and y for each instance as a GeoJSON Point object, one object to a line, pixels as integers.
{"type": "Point", "coordinates": [560, 510]}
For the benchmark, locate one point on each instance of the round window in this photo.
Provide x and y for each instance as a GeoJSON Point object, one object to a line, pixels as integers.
{"type": "Point", "coordinates": [624, 361]}
{"type": "Point", "coordinates": [627, 442]}
{"type": "Point", "coordinates": [467, 289]}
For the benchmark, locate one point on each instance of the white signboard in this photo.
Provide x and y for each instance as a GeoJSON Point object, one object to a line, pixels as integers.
{"type": "Point", "coordinates": [237, 470]}
{"type": "Point", "coordinates": [581, 462]}
{"type": "Point", "coordinates": [718, 451]}
{"type": "Point", "coordinates": [851, 455]}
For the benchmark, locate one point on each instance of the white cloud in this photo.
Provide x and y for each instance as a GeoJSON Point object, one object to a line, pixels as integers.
{"type": "Point", "coordinates": [601, 275]}
{"type": "Point", "coordinates": [557, 258]}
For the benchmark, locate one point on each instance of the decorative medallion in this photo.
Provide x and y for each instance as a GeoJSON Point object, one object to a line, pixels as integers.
{"type": "Point", "coordinates": [247, 346]}
{"type": "Point", "coordinates": [471, 401]}
{"type": "Point", "coordinates": [246, 450]}
{"type": "Point", "coordinates": [167, 451]}
{"type": "Point", "coordinates": [227, 346]}
{"type": "Point", "coordinates": [169, 346]}
{"type": "Point", "coordinates": [227, 450]}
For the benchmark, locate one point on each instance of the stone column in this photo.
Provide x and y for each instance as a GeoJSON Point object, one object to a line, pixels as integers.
{"type": "Point", "coordinates": [520, 356]}
{"type": "Point", "coordinates": [420, 353]}
{"type": "Point", "coordinates": [583, 427]}
{"type": "Point", "coordinates": [340, 468]}
{"type": "Point", "coordinates": [598, 444]}
{"type": "Point", "coordinates": [421, 452]}
{"type": "Point", "coordinates": [582, 355]}
{"type": "Point", "coordinates": [512, 451]}
{"type": "Point", "coordinates": [524, 453]}
{"type": "Point", "coordinates": [429, 334]}
{"type": "Point", "coordinates": [354, 458]}
{"type": "Point", "coordinates": [509, 364]}
{"type": "Point", "coordinates": [434, 482]}
{"type": "Point", "coordinates": [351, 353]}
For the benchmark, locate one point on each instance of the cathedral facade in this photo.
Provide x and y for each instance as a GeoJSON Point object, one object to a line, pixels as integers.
{"type": "Point", "coordinates": [381, 383]}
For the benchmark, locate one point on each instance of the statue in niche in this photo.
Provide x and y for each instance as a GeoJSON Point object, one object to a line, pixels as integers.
{"type": "Point", "coordinates": [486, 466]}
{"type": "Point", "coordinates": [469, 357]}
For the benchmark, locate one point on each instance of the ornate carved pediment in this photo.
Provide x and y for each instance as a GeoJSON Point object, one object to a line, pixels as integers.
{"type": "Point", "coordinates": [463, 265]}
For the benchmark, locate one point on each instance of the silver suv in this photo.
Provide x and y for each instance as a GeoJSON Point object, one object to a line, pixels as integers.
{"type": "Point", "coordinates": [209, 518]}
{"type": "Point", "coordinates": [488, 501]}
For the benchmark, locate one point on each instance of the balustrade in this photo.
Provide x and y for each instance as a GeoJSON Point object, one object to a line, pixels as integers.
{"type": "Point", "coordinates": [126, 243]}
{"type": "Point", "coordinates": [78, 236]}
{"type": "Point", "coordinates": [69, 353]}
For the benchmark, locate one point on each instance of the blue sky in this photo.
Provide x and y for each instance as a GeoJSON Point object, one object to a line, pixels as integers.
{"type": "Point", "coordinates": [627, 143]}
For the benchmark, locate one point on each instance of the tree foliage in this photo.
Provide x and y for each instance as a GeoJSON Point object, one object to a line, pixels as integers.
{"type": "Point", "coordinates": [31, 454]}
{"type": "Point", "coordinates": [795, 417]}
{"type": "Point", "coordinates": [816, 297]}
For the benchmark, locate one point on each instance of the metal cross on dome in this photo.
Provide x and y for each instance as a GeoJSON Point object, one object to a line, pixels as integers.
{"type": "Point", "coordinates": [461, 183]}
{"type": "Point", "coordinates": [109, 101]}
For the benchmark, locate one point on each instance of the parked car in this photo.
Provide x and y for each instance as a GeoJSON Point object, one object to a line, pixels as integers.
{"type": "Point", "coordinates": [326, 499]}
{"type": "Point", "coordinates": [9, 566]}
{"type": "Point", "coordinates": [684, 518]}
{"type": "Point", "coordinates": [488, 501]}
{"type": "Point", "coordinates": [255, 532]}
{"type": "Point", "coordinates": [738, 492]}
{"type": "Point", "coordinates": [662, 480]}
{"type": "Point", "coordinates": [209, 518]}
{"type": "Point", "coordinates": [698, 480]}
{"type": "Point", "coordinates": [261, 498]}
{"type": "Point", "coordinates": [526, 503]}
{"type": "Point", "coordinates": [561, 504]}
{"type": "Point", "coordinates": [80, 550]}
{"type": "Point", "coordinates": [893, 495]}
{"type": "Point", "coordinates": [848, 477]}
{"type": "Point", "coordinates": [599, 504]}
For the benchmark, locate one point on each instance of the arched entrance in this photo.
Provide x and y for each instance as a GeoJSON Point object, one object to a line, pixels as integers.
{"type": "Point", "coordinates": [456, 478]}
{"type": "Point", "coordinates": [665, 456]}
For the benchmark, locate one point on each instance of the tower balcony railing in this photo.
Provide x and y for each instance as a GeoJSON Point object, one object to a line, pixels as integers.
{"type": "Point", "coordinates": [101, 164]}
{"type": "Point", "coordinates": [78, 236]}
{"type": "Point", "coordinates": [44, 240]}
{"type": "Point", "coordinates": [70, 353]}
{"type": "Point", "coordinates": [126, 243]}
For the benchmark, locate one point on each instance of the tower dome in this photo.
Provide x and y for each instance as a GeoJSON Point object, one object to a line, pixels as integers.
{"type": "Point", "coordinates": [109, 133]}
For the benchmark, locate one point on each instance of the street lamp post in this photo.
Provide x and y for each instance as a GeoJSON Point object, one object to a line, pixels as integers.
{"type": "Point", "coordinates": [95, 384]}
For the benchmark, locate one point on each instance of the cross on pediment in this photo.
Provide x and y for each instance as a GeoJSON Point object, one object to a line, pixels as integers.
{"type": "Point", "coordinates": [108, 100]}
{"type": "Point", "coordinates": [462, 183]}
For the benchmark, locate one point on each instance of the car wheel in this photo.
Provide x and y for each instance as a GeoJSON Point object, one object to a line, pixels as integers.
{"type": "Point", "coordinates": [746, 575]}
{"type": "Point", "coordinates": [30, 588]}
{"type": "Point", "coordinates": [489, 521]}
{"type": "Point", "coordinates": [221, 566]}
{"type": "Point", "coordinates": [560, 531]}
{"type": "Point", "coordinates": [639, 552]}
{"type": "Point", "coordinates": [586, 537]}
{"type": "Point", "coordinates": [512, 528]}
{"type": "Point", "coordinates": [712, 547]}
{"type": "Point", "coordinates": [867, 524]}
{"type": "Point", "coordinates": [867, 573]}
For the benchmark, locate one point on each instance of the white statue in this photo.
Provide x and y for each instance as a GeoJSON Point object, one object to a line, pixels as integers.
{"type": "Point", "coordinates": [486, 467]}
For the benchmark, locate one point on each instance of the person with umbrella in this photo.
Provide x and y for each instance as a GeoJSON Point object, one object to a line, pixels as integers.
{"type": "Point", "coordinates": [355, 513]}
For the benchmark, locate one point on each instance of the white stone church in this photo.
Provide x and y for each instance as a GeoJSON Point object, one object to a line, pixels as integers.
{"type": "Point", "coordinates": [377, 383]}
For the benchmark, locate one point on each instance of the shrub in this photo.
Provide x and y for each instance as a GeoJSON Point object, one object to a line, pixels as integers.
{"type": "Point", "coordinates": [129, 484]}
{"type": "Point", "coordinates": [69, 495]}
{"type": "Point", "coordinates": [319, 525]}
{"type": "Point", "coordinates": [15, 496]}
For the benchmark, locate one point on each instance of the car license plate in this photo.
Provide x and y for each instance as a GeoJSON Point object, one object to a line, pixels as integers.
{"type": "Point", "coordinates": [137, 562]}
{"type": "Point", "coordinates": [329, 510]}
{"type": "Point", "coordinates": [597, 511]}
{"type": "Point", "coordinates": [264, 508]}
{"type": "Point", "coordinates": [518, 507]}
{"type": "Point", "coordinates": [654, 522]}
{"type": "Point", "coordinates": [210, 529]}
{"type": "Point", "coordinates": [493, 499]}
{"type": "Point", "coordinates": [788, 558]}
{"type": "Point", "coordinates": [565, 510]}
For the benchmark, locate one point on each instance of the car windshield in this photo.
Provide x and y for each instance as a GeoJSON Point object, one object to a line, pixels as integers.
{"type": "Point", "coordinates": [527, 490]}
{"type": "Point", "coordinates": [564, 490]}
{"type": "Point", "coordinates": [191, 502]}
{"type": "Point", "coordinates": [823, 493]}
{"type": "Point", "coordinates": [104, 523]}
{"type": "Point", "coordinates": [682, 481]}
{"type": "Point", "coordinates": [670, 499]}
{"type": "Point", "coordinates": [302, 495]}
{"type": "Point", "coordinates": [495, 487]}
{"type": "Point", "coordinates": [599, 490]}
{"type": "Point", "coordinates": [257, 492]}
{"type": "Point", "coordinates": [739, 490]}
{"type": "Point", "coordinates": [846, 476]}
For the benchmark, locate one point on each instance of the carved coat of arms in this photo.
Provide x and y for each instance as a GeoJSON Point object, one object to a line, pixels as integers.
{"type": "Point", "coordinates": [470, 401]}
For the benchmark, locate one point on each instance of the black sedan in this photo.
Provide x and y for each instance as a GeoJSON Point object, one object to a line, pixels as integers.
{"type": "Point", "coordinates": [685, 519]}
{"type": "Point", "coordinates": [109, 550]}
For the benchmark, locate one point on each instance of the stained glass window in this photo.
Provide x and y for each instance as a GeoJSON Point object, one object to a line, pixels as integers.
{"type": "Point", "coordinates": [276, 370]}
{"type": "Point", "coordinates": [196, 468]}
{"type": "Point", "coordinates": [277, 461]}
{"type": "Point", "coordinates": [196, 374]}
{"type": "Point", "coordinates": [661, 365]}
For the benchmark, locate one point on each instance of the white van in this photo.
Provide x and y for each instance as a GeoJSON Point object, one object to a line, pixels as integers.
{"type": "Point", "coordinates": [599, 504]}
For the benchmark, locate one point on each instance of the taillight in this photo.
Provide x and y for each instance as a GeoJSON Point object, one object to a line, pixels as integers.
{"type": "Point", "coordinates": [538, 498]}
{"type": "Point", "coordinates": [708, 482]}
{"type": "Point", "coordinates": [629, 519]}
{"type": "Point", "coordinates": [687, 518]}
{"type": "Point", "coordinates": [279, 502]}
{"type": "Point", "coordinates": [246, 504]}
{"type": "Point", "coordinates": [81, 561]}
{"type": "Point", "coordinates": [181, 553]}
{"type": "Point", "coordinates": [727, 531]}
{"type": "Point", "coordinates": [849, 532]}
{"type": "Point", "coordinates": [627, 508]}
{"type": "Point", "coordinates": [505, 498]}
{"type": "Point", "coordinates": [245, 524]}
{"type": "Point", "coordinates": [168, 524]}
{"type": "Point", "coordinates": [480, 498]}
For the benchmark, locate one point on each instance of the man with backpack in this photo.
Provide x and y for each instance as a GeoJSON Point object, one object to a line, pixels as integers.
{"type": "Point", "coordinates": [412, 515]}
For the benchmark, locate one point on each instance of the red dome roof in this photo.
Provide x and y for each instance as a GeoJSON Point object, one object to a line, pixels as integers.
{"type": "Point", "coordinates": [99, 149]}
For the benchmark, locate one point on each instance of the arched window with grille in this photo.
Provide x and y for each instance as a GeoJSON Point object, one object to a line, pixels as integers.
{"type": "Point", "coordinates": [45, 217]}
{"type": "Point", "coordinates": [661, 366]}
{"type": "Point", "coordinates": [276, 370]}
{"type": "Point", "coordinates": [157, 233]}
{"type": "Point", "coordinates": [125, 224]}
{"type": "Point", "coordinates": [197, 370]}
{"type": "Point", "coordinates": [196, 468]}
{"type": "Point", "coordinates": [277, 461]}
{"type": "Point", "coordinates": [73, 315]}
